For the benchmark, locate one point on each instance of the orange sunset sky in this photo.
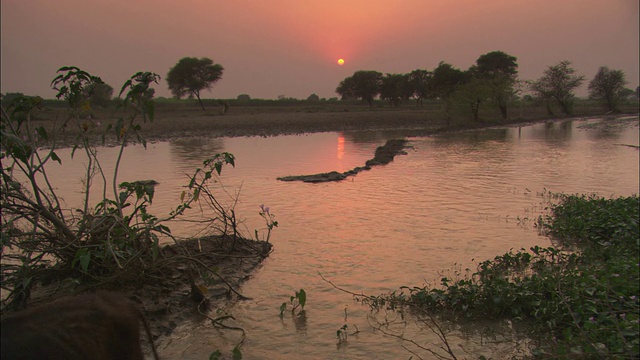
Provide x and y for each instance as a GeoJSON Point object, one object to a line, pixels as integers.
{"type": "Point", "coordinates": [291, 47]}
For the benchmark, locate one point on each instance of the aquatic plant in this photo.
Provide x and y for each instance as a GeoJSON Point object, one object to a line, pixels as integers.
{"type": "Point", "coordinates": [342, 335]}
{"type": "Point", "coordinates": [298, 300]}
{"type": "Point", "coordinates": [270, 223]}
{"type": "Point", "coordinates": [580, 297]}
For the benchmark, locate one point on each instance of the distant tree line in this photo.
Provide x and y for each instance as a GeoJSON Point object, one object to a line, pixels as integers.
{"type": "Point", "coordinates": [492, 81]}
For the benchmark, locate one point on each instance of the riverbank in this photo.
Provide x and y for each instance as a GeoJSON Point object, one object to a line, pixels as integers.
{"type": "Point", "coordinates": [172, 122]}
{"type": "Point", "coordinates": [188, 282]}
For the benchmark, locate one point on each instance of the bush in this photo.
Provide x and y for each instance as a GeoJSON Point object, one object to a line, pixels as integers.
{"type": "Point", "coordinates": [580, 297]}
{"type": "Point", "coordinates": [115, 240]}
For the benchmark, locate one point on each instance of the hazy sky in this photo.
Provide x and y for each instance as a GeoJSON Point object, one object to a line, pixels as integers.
{"type": "Point", "coordinates": [291, 47]}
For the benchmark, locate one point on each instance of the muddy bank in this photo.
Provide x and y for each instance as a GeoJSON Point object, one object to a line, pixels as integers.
{"type": "Point", "coordinates": [383, 155]}
{"type": "Point", "coordinates": [174, 292]}
{"type": "Point", "coordinates": [178, 122]}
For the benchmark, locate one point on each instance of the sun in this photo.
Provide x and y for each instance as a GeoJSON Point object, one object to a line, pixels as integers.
{"type": "Point", "coordinates": [340, 61]}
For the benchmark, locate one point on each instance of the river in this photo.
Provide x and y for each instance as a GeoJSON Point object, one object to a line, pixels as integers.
{"type": "Point", "coordinates": [453, 200]}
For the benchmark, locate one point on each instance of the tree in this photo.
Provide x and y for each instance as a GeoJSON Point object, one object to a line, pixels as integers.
{"type": "Point", "coordinates": [558, 83]}
{"type": "Point", "coordinates": [608, 85]}
{"type": "Point", "coordinates": [420, 82]}
{"type": "Point", "coordinates": [8, 98]}
{"type": "Point", "coordinates": [100, 95]}
{"type": "Point", "coordinates": [499, 71]}
{"type": "Point", "coordinates": [313, 98]}
{"type": "Point", "coordinates": [497, 63]}
{"type": "Point", "coordinates": [192, 75]}
{"type": "Point", "coordinates": [445, 79]}
{"type": "Point", "coordinates": [473, 93]}
{"type": "Point", "coordinates": [395, 88]}
{"type": "Point", "coordinates": [363, 84]}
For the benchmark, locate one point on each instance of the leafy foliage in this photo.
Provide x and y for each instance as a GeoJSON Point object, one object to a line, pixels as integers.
{"type": "Point", "coordinates": [115, 239]}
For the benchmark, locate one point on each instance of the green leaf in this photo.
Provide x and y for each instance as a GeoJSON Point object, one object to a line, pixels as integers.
{"type": "Point", "coordinates": [302, 297]}
{"type": "Point", "coordinates": [237, 355]}
{"type": "Point", "coordinates": [55, 157]}
{"type": "Point", "coordinates": [42, 132]}
{"type": "Point", "coordinates": [590, 291]}
{"type": "Point", "coordinates": [83, 255]}
{"type": "Point", "coordinates": [150, 190]}
{"type": "Point", "coordinates": [215, 355]}
{"type": "Point", "coordinates": [119, 126]}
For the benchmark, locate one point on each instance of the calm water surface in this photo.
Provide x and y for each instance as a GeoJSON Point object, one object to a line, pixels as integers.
{"type": "Point", "coordinates": [452, 199]}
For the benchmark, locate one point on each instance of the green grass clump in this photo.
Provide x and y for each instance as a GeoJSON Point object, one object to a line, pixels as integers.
{"type": "Point", "coordinates": [580, 297]}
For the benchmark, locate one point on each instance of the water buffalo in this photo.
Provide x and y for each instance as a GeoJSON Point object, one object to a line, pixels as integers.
{"type": "Point", "coordinates": [101, 326]}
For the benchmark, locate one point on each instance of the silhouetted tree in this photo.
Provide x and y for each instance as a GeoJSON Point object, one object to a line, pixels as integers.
{"type": "Point", "coordinates": [420, 82]}
{"type": "Point", "coordinates": [558, 83]}
{"type": "Point", "coordinates": [363, 84]}
{"type": "Point", "coordinates": [313, 98]}
{"type": "Point", "coordinates": [395, 88]}
{"type": "Point", "coordinates": [498, 71]}
{"type": "Point", "coordinates": [445, 79]}
{"type": "Point", "coordinates": [244, 97]}
{"type": "Point", "coordinates": [100, 95]}
{"type": "Point", "coordinates": [473, 93]}
{"type": "Point", "coordinates": [608, 85]}
{"type": "Point", "coordinates": [497, 63]}
{"type": "Point", "coordinates": [192, 75]}
{"type": "Point", "coordinates": [8, 97]}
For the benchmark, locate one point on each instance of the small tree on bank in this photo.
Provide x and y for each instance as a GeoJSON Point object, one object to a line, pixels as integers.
{"type": "Point", "coordinates": [499, 72]}
{"type": "Point", "coordinates": [608, 85]}
{"type": "Point", "coordinates": [192, 75]}
{"type": "Point", "coordinates": [558, 83]}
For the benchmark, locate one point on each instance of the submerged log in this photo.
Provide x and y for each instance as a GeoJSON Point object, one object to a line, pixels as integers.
{"type": "Point", "coordinates": [383, 155]}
